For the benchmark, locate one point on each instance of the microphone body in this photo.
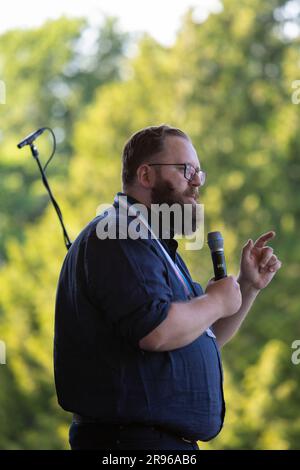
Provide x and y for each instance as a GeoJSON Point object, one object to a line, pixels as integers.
{"type": "Point", "coordinates": [30, 138]}
{"type": "Point", "coordinates": [216, 244]}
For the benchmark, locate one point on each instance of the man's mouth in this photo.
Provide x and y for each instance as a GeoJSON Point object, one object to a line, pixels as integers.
{"type": "Point", "coordinates": [190, 200]}
{"type": "Point", "coordinates": [194, 196]}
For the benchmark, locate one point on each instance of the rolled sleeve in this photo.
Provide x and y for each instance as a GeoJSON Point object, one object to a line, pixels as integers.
{"type": "Point", "coordinates": [127, 281]}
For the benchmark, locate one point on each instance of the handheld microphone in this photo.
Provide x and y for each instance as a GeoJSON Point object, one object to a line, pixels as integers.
{"type": "Point", "coordinates": [30, 138]}
{"type": "Point", "coordinates": [216, 244]}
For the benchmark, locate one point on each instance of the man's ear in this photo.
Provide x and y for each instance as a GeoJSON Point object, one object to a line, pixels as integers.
{"type": "Point", "coordinates": [145, 176]}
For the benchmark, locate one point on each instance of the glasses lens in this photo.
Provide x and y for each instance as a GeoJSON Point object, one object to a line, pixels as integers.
{"type": "Point", "coordinates": [189, 172]}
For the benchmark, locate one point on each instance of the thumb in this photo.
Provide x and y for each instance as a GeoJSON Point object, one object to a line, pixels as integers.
{"type": "Point", "coordinates": [211, 281]}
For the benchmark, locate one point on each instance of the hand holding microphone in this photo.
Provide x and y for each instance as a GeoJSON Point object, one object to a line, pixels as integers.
{"type": "Point", "coordinates": [224, 289]}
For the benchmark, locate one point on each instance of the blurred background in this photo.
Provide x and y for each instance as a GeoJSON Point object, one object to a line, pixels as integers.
{"type": "Point", "coordinates": [96, 72]}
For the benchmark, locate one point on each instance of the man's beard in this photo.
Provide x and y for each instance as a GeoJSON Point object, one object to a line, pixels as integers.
{"type": "Point", "coordinates": [165, 193]}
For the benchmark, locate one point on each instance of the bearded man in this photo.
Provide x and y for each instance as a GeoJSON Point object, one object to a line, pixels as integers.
{"type": "Point", "coordinates": [137, 341]}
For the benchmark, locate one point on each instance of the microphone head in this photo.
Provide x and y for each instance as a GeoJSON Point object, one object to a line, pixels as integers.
{"type": "Point", "coordinates": [31, 137]}
{"type": "Point", "coordinates": [215, 241]}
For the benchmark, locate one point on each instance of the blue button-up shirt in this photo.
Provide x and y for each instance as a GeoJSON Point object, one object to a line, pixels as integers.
{"type": "Point", "coordinates": [111, 293]}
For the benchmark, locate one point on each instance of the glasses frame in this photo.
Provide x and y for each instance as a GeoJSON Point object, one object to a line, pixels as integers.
{"type": "Point", "coordinates": [187, 166]}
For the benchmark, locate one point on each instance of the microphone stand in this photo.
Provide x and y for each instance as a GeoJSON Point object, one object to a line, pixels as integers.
{"type": "Point", "coordinates": [35, 155]}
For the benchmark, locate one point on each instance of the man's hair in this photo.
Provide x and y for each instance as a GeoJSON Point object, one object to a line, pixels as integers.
{"type": "Point", "coordinates": [142, 146]}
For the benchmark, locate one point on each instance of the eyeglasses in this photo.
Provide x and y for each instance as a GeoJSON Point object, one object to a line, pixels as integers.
{"type": "Point", "coordinates": [189, 170]}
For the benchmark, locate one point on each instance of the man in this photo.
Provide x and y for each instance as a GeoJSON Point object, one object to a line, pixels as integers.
{"type": "Point", "coordinates": [137, 341]}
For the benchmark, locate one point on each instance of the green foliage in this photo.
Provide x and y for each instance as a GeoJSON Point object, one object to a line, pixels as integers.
{"type": "Point", "coordinates": [50, 77]}
{"type": "Point", "coordinates": [263, 407]}
{"type": "Point", "coordinates": [226, 82]}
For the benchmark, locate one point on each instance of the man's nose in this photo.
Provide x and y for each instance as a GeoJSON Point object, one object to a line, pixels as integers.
{"type": "Point", "coordinates": [195, 181]}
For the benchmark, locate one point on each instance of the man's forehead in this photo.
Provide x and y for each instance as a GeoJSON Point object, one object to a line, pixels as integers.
{"type": "Point", "coordinates": [181, 149]}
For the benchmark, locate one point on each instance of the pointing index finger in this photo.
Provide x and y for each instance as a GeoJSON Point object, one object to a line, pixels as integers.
{"type": "Point", "coordinates": [260, 242]}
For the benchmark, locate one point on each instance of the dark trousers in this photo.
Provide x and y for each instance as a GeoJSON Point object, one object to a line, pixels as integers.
{"type": "Point", "coordinates": [88, 436]}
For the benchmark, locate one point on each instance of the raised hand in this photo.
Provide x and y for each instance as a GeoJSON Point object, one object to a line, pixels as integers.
{"type": "Point", "coordinates": [259, 264]}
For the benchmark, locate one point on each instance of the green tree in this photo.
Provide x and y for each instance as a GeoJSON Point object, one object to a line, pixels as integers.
{"type": "Point", "coordinates": [50, 81]}
{"type": "Point", "coordinates": [227, 82]}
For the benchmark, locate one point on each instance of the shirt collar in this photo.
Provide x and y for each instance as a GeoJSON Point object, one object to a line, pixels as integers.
{"type": "Point", "coordinates": [170, 242]}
